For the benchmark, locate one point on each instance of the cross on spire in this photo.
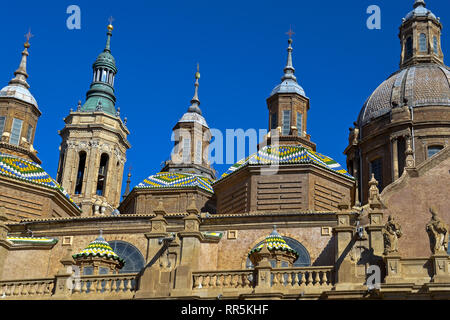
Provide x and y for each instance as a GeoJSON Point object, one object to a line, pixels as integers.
{"type": "Point", "coordinates": [290, 32]}
{"type": "Point", "coordinates": [111, 19]}
{"type": "Point", "coordinates": [29, 35]}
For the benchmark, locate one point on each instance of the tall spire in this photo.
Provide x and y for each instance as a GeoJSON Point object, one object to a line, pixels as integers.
{"type": "Point", "coordinates": [195, 102]}
{"type": "Point", "coordinates": [20, 75]}
{"type": "Point", "coordinates": [289, 70]}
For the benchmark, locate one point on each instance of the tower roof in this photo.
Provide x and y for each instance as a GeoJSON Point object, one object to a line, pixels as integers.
{"type": "Point", "coordinates": [18, 86]}
{"type": "Point", "coordinates": [171, 180]}
{"type": "Point", "coordinates": [100, 96]}
{"type": "Point", "coordinates": [289, 80]}
{"type": "Point", "coordinates": [419, 10]}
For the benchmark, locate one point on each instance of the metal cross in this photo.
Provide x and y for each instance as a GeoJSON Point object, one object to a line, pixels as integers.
{"type": "Point", "coordinates": [111, 20]}
{"type": "Point", "coordinates": [290, 32]}
{"type": "Point", "coordinates": [29, 35]}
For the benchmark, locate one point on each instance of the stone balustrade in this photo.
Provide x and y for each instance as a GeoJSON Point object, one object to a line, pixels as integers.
{"type": "Point", "coordinates": [302, 277]}
{"type": "Point", "coordinates": [27, 289]}
{"type": "Point", "coordinates": [223, 279]}
{"type": "Point", "coordinates": [108, 285]}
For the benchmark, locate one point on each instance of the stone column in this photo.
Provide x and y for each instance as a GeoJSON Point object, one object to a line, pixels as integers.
{"type": "Point", "coordinates": [150, 278]}
{"type": "Point", "coordinates": [375, 228]}
{"type": "Point", "coordinates": [263, 272]}
{"type": "Point", "coordinates": [394, 143]}
{"type": "Point", "coordinates": [191, 239]}
{"type": "Point", "coordinates": [345, 271]}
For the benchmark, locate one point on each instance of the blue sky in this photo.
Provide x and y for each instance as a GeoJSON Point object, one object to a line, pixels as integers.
{"type": "Point", "coordinates": [241, 48]}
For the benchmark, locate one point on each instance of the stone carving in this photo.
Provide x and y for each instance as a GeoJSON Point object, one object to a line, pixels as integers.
{"type": "Point", "coordinates": [438, 232]}
{"type": "Point", "coordinates": [391, 233]}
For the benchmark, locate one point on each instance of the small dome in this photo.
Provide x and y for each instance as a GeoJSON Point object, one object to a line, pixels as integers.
{"type": "Point", "coordinates": [101, 248]}
{"type": "Point", "coordinates": [421, 85]}
{"type": "Point", "coordinates": [19, 92]}
{"type": "Point", "coordinates": [176, 180]}
{"type": "Point", "coordinates": [287, 155]}
{"type": "Point", "coordinates": [105, 59]}
{"type": "Point", "coordinates": [288, 86]}
{"type": "Point", "coordinates": [194, 117]}
{"type": "Point", "coordinates": [419, 11]}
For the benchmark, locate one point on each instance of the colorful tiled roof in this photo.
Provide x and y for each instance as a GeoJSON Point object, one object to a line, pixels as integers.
{"type": "Point", "coordinates": [99, 247]}
{"type": "Point", "coordinates": [32, 240]}
{"type": "Point", "coordinates": [176, 180]}
{"type": "Point", "coordinates": [275, 241]}
{"type": "Point", "coordinates": [287, 155]}
{"type": "Point", "coordinates": [25, 170]}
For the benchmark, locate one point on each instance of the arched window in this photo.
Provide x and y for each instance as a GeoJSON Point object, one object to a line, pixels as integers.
{"type": "Point", "coordinates": [80, 172]}
{"type": "Point", "coordinates": [435, 45]}
{"type": "Point", "coordinates": [423, 47]}
{"type": "Point", "coordinates": [409, 47]}
{"type": "Point", "coordinates": [134, 260]}
{"type": "Point", "coordinates": [102, 171]}
{"type": "Point", "coordinates": [304, 260]}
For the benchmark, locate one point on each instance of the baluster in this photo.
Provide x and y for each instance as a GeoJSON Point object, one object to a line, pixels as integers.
{"type": "Point", "coordinates": [114, 285]}
{"type": "Point", "coordinates": [308, 277]}
{"type": "Point", "coordinates": [212, 281]}
{"type": "Point", "coordinates": [40, 290]}
{"type": "Point", "coordinates": [295, 284]}
{"type": "Point", "coordinates": [121, 286]}
{"type": "Point", "coordinates": [129, 284]}
{"type": "Point", "coordinates": [218, 280]}
{"type": "Point", "coordinates": [108, 285]}
{"type": "Point", "coordinates": [226, 280]}
{"type": "Point", "coordinates": [239, 280]}
{"type": "Point", "coordinates": [289, 279]}
{"type": "Point", "coordinates": [325, 278]}
{"type": "Point", "coordinates": [317, 279]}
{"type": "Point", "coordinates": [16, 289]}
{"type": "Point", "coordinates": [275, 279]}
{"type": "Point", "coordinates": [196, 281]}
{"type": "Point", "coordinates": [83, 286]}
{"type": "Point", "coordinates": [246, 280]}
{"type": "Point", "coordinates": [9, 288]}
{"type": "Point", "coordinates": [99, 286]}
{"type": "Point", "coordinates": [25, 289]}
{"type": "Point", "coordinates": [47, 289]}
{"type": "Point", "coordinates": [234, 281]}
{"type": "Point", "coordinates": [205, 281]}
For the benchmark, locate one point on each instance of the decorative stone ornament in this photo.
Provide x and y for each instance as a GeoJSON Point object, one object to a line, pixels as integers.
{"type": "Point", "coordinates": [438, 233]}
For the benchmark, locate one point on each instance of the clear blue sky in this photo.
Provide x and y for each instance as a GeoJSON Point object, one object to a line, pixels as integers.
{"type": "Point", "coordinates": [241, 47]}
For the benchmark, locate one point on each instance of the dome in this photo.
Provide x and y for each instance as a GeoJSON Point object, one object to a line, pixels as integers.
{"type": "Point", "coordinates": [421, 85]}
{"type": "Point", "coordinates": [288, 155]}
{"type": "Point", "coordinates": [105, 59]}
{"type": "Point", "coordinates": [176, 180]}
{"type": "Point", "coordinates": [275, 241]}
{"type": "Point", "coordinates": [18, 92]}
{"type": "Point", "coordinates": [288, 86]}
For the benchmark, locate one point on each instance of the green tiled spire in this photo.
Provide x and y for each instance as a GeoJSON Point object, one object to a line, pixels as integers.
{"type": "Point", "coordinates": [100, 96]}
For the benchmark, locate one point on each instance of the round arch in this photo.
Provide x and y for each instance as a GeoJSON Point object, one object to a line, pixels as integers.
{"type": "Point", "coordinates": [134, 260]}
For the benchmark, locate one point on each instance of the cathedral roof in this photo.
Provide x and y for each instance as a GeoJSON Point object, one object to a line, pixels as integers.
{"type": "Point", "coordinates": [101, 248]}
{"type": "Point", "coordinates": [31, 172]}
{"type": "Point", "coordinates": [422, 85]}
{"type": "Point", "coordinates": [287, 155]}
{"type": "Point", "coordinates": [176, 180]}
{"type": "Point", "coordinates": [274, 241]}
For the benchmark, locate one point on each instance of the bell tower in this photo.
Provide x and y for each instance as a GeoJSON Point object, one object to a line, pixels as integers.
{"type": "Point", "coordinates": [19, 113]}
{"type": "Point", "coordinates": [192, 137]}
{"type": "Point", "coordinates": [94, 143]}
{"type": "Point", "coordinates": [420, 37]}
{"type": "Point", "coordinates": [288, 109]}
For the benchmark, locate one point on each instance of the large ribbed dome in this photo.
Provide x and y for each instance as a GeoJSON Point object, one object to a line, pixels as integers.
{"type": "Point", "coordinates": [421, 85]}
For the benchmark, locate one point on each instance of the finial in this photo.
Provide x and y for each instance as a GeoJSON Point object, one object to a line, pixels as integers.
{"type": "Point", "coordinates": [20, 75]}
{"type": "Point", "coordinates": [195, 102]}
{"type": "Point", "coordinates": [289, 70]}
{"type": "Point", "coordinates": [79, 105]}
{"type": "Point", "coordinates": [127, 189]}
{"type": "Point", "coordinates": [100, 233]}
{"type": "Point", "coordinates": [109, 34]}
